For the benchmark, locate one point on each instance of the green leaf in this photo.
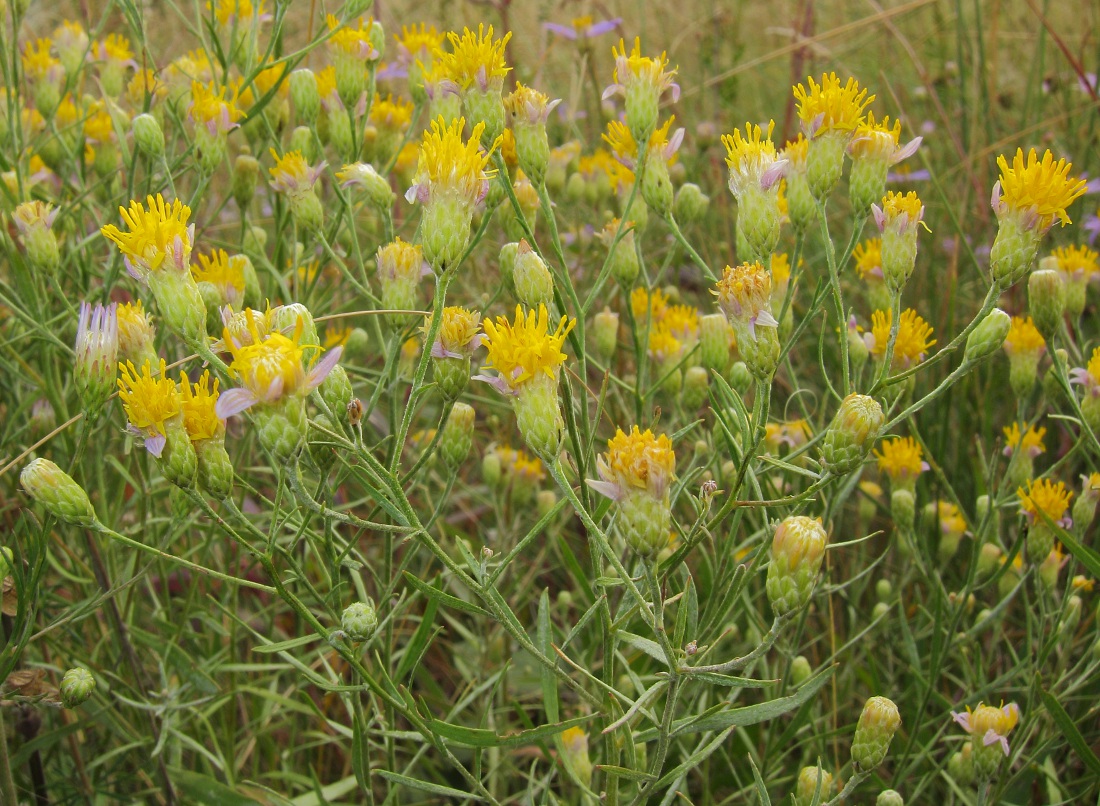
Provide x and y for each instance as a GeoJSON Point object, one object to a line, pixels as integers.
{"type": "Point", "coordinates": [418, 644]}
{"type": "Point", "coordinates": [729, 681]}
{"type": "Point", "coordinates": [482, 737]}
{"type": "Point", "coordinates": [203, 789]}
{"type": "Point", "coordinates": [293, 643]}
{"type": "Point", "coordinates": [1086, 556]}
{"type": "Point", "coordinates": [1072, 734]}
{"type": "Point", "coordinates": [424, 786]}
{"type": "Point", "coordinates": [761, 790]}
{"type": "Point", "coordinates": [442, 598]}
{"type": "Point", "coordinates": [651, 648]}
{"type": "Point", "coordinates": [545, 644]}
{"type": "Point", "coordinates": [623, 772]}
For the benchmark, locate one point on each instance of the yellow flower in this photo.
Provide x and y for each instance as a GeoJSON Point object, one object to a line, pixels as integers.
{"type": "Point", "coordinates": [521, 350]}
{"type": "Point", "coordinates": [458, 332]}
{"type": "Point", "coordinates": [200, 418]}
{"type": "Point", "coordinates": [223, 272]}
{"type": "Point", "coordinates": [291, 173]}
{"type": "Point", "coordinates": [98, 126]}
{"type": "Point", "coordinates": [639, 460]}
{"type": "Point", "coordinates": [951, 521]}
{"type": "Point", "coordinates": [474, 59]}
{"type": "Point", "coordinates": [744, 294]}
{"type": "Point", "coordinates": [1046, 497]}
{"type": "Point", "coordinates": [354, 42]}
{"type": "Point", "coordinates": [417, 41]}
{"type": "Point", "coordinates": [912, 340]}
{"type": "Point", "coordinates": [644, 303]}
{"type": "Point", "coordinates": [1023, 337]}
{"type": "Point", "coordinates": [635, 70]}
{"type": "Point", "coordinates": [880, 141]}
{"type": "Point", "coordinates": [116, 48]}
{"type": "Point", "coordinates": [781, 269]}
{"type": "Point", "coordinates": [336, 336]}
{"type": "Point", "coordinates": [401, 260]}
{"type": "Point", "coordinates": [682, 321]}
{"type": "Point", "coordinates": [145, 84]}
{"type": "Point", "coordinates": [271, 367]}
{"type": "Point", "coordinates": [901, 459]}
{"type": "Point", "coordinates": [868, 258]}
{"type": "Point", "coordinates": [1077, 262]}
{"type": "Point", "coordinates": [528, 105]}
{"type": "Point", "coordinates": [521, 464]}
{"type": "Point", "coordinates": [989, 725]}
{"type": "Point", "coordinates": [752, 159]}
{"type": "Point", "coordinates": [326, 88]}
{"type": "Point", "coordinates": [38, 64]}
{"type": "Point", "coordinates": [1082, 583]}
{"type": "Point", "coordinates": [1040, 191]}
{"type": "Point", "coordinates": [154, 235]}
{"type": "Point", "coordinates": [902, 210]}
{"type": "Point", "coordinates": [391, 113]}
{"type": "Point", "coordinates": [228, 12]}
{"type": "Point", "coordinates": [1088, 376]}
{"type": "Point", "coordinates": [1030, 441]}
{"type": "Point", "coordinates": [135, 329]}
{"type": "Point", "coordinates": [830, 106]}
{"type": "Point", "coordinates": [450, 167]}
{"type": "Point", "coordinates": [149, 402]}
{"type": "Point", "coordinates": [663, 344]}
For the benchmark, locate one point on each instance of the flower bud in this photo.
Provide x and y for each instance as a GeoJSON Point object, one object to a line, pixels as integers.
{"type": "Point", "coordinates": [903, 509]}
{"type": "Point", "coordinates": [691, 203]}
{"type": "Point", "coordinates": [989, 559]}
{"type": "Point", "coordinates": [305, 96]}
{"type": "Point", "coordinates": [375, 186]}
{"type": "Point", "coordinates": [812, 781]}
{"type": "Point", "coordinates": [889, 797]}
{"type": "Point", "coordinates": [714, 342]}
{"type": "Point", "coordinates": [800, 670]}
{"type": "Point", "coordinates": [624, 257]}
{"type": "Point", "coordinates": [694, 391]}
{"type": "Point", "coordinates": [798, 548]}
{"type": "Point", "coordinates": [454, 444]}
{"type": "Point", "coordinates": [215, 468]}
{"type": "Point", "coordinates": [545, 501]}
{"type": "Point", "coordinates": [851, 434]}
{"type": "Point", "coordinates": [1050, 568]}
{"type": "Point", "coordinates": [77, 685]}
{"type": "Point", "coordinates": [1046, 301]}
{"type": "Point", "coordinates": [148, 136]}
{"type": "Point", "coordinates": [573, 745]}
{"type": "Point", "coordinates": [875, 730]}
{"type": "Point", "coordinates": [34, 222]}
{"type": "Point", "coordinates": [55, 489]}
{"type": "Point", "coordinates": [335, 390]}
{"type": "Point", "coordinates": [740, 377]}
{"type": "Point", "coordinates": [657, 186]}
{"type": "Point", "coordinates": [988, 336]}
{"type": "Point", "coordinates": [961, 766]}
{"type": "Point", "coordinates": [359, 621]}
{"type": "Point", "coordinates": [491, 469]}
{"type": "Point", "coordinates": [533, 282]}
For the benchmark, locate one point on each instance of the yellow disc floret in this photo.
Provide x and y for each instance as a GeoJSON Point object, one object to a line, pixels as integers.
{"type": "Point", "coordinates": [474, 58]}
{"type": "Point", "coordinates": [199, 401]}
{"type": "Point", "coordinates": [1023, 337]}
{"type": "Point", "coordinates": [1029, 441]}
{"type": "Point", "coordinates": [639, 460]}
{"type": "Point", "coordinates": [913, 339]}
{"type": "Point", "coordinates": [830, 105]}
{"type": "Point", "coordinates": [148, 401]}
{"type": "Point", "coordinates": [1077, 261]}
{"type": "Point", "coordinates": [1034, 187]}
{"type": "Point", "coordinates": [521, 350]}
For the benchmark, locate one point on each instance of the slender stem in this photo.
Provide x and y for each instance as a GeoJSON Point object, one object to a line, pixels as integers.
{"type": "Point", "coordinates": [7, 783]}
{"type": "Point", "coordinates": [745, 660]}
{"type": "Point", "coordinates": [838, 298]}
{"type": "Point", "coordinates": [850, 786]}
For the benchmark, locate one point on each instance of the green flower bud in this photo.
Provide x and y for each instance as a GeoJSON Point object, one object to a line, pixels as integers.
{"type": "Point", "coordinates": [282, 427]}
{"type": "Point", "coordinates": [55, 489]}
{"type": "Point", "coordinates": [714, 342]}
{"type": "Point", "coordinates": [301, 139]}
{"type": "Point", "coordinates": [491, 469]}
{"type": "Point", "coordinates": [988, 336]}
{"type": "Point", "coordinates": [880, 610]}
{"type": "Point", "coordinates": [77, 685]}
{"type": "Point", "coordinates": [485, 106]}
{"type": "Point", "coordinates": [740, 378]}
{"type": "Point", "coordinates": [961, 766]}
{"type": "Point", "coordinates": [800, 670]}
{"type": "Point", "coordinates": [539, 417]}
{"type": "Point", "coordinates": [215, 468]}
{"type": "Point", "coordinates": [875, 730]}
{"type": "Point", "coordinates": [798, 548]}
{"type": "Point", "coordinates": [851, 434]}
{"type": "Point", "coordinates": [884, 590]}
{"type": "Point", "coordinates": [691, 203]}
{"type": "Point", "coordinates": [624, 259]}
{"type": "Point", "coordinates": [657, 186]}
{"type": "Point", "coordinates": [178, 461]}
{"type": "Point", "coordinates": [545, 501]}
{"type": "Point", "coordinates": [1013, 252]}
{"type": "Point", "coordinates": [825, 162]}
{"type": "Point", "coordinates": [605, 333]}
{"type": "Point", "coordinates": [148, 136]}
{"type": "Point", "coordinates": [533, 282]}
{"type": "Point", "coordinates": [305, 96]}
{"type": "Point", "coordinates": [1046, 301]}
{"type": "Point", "coordinates": [889, 797]}
{"type": "Point", "coordinates": [457, 438]}
{"type": "Point", "coordinates": [575, 189]}
{"type": "Point", "coordinates": [903, 509]}
{"type": "Point", "coordinates": [181, 304]}
{"type": "Point", "coordinates": [812, 781]}
{"type": "Point", "coordinates": [989, 559]}
{"type": "Point", "coordinates": [695, 385]}
{"type": "Point", "coordinates": [758, 222]}
{"type": "Point", "coordinates": [359, 621]}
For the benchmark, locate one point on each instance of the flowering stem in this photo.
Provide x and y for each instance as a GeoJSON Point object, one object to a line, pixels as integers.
{"type": "Point", "coordinates": [838, 298]}
{"type": "Point", "coordinates": [891, 342]}
{"type": "Point", "coordinates": [849, 787]}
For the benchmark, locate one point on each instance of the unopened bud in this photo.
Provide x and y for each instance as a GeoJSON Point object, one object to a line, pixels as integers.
{"type": "Point", "coordinates": [305, 96]}
{"type": "Point", "coordinates": [246, 173]}
{"type": "Point", "coordinates": [55, 489]}
{"type": "Point", "coordinates": [798, 548]}
{"type": "Point", "coordinates": [889, 797]}
{"type": "Point", "coordinates": [875, 730]}
{"type": "Point", "coordinates": [714, 341]}
{"type": "Point", "coordinates": [77, 685]}
{"type": "Point", "coordinates": [1046, 301]}
{"type": "Point", "coordinates": [695, 386]}
{"type": "Point", "coordinates": [605, 332]}
{"type": "Point", "coordinates": [454, 444]}
{"type": "Point", "coordinates": [851, 434]}
{"type": "Point", "coordinates": [800, 670]}
{"type": "Point", "coordinates": [148, 136]}
{"type": "Point", "coordinates": [988, 336]}
{"type": "Point", "coordinates": [812, 781]}
{"type": "Point", "coordinates": [691, 203]}
{"type": "Point", "coordinates": [545, 501]}
{"type": "Point", "coordinates": [359, 621]}
{"type": "Point", "coordinates": [533, 281]}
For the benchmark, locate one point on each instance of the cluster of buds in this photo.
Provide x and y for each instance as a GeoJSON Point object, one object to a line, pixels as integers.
{"type": "Point", "coordinates": [636, 473]}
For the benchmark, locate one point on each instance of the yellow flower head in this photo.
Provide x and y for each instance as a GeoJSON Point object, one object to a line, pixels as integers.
{"type": "Point", "coordinates": [529, 106]}
{"type": "Point", "coordinates": [336, 336]}
{"type": "Point", "coordinates": [901, 459]}
{"type": "Point", "coordinates": [682, 321]}
{"type": "Point", "coordinates": [135, 329]}
{"type": "Point", "coordinates": [401, 260]}
{"type": "Point", "coordinates": [781, 270]}
{"type": "Point", "coordinates": [521, 350]}
{"type": "Point", "coordinates": [38, 64]}
{"type": "Point", "coordinates": [989, 725]}
{"type": "Point", "coordinates": [116, 48]}
{"type": "Point", "coordinates": [1029, 441]}
{"type": "Point", "coordinates": [292, 175]}
{"type": "Point", "coordinates": [1046, 497]}
{"type": "Point", "coordinates": [634, 70]}
{"type": "Point", "coordinates": [199, 401]}
{"type": "Point", "coordinates": [475, 58]}
{"type": "Point", "coordinates": [458, 332]}
{"type": "Point", "coordinates": [154, 235]}
{"type": "Point", "coordinates": [1077, 262]}
{"type": "Point", "coordinates": [644, 303]}
{"type": "Point", "coordinates": [635, 461]}
{"type": "Point", "coordinates": [752, 159]}
{"type": "Point", "coordinates": [394, 114]}
{"type": "Point", "coordinates": [744, 294]}
{"type": "Point", "coordinates": [450, 167]}
{"type": "Point", "coordinates": [149, 401]}
{"type": "Point", "coordinates": [868, 259]}
{"type": "Point", "coordinates": [620, 141]}
{"type": "Point", "coordinates": [1038, 190]}
{"type": "Point", "coordinates": [98, 126]}
{"type": "Point", "coordinates": [831, 106]}
{"type": "Point", "coordinates": [1089, 375]}
{"type": "Point", "coordinates": [521, 465]}
{"type": "Point", "coordinates": [417, 42]}
{"type": "Point", "coordinates": [223, 272]}
{"type": "Point", "coordinates": [1023, 338]}
{"type": "Point", "coordinates": [663, 343]}
{"type": "Point", "coordinates": [230, 12]}
{"type": "Point", "coordinates": [912, 341]}
{"type": "Point", "coordinates": [145, 84]}
{"type": "Point", "coordinates": [34, 215]}
{"type": "Point", "coordinates": [326, 88]}
{"type": "Point", "coordinates": [951, 521]}
{"type": "Point", "coordinates": [795, 153]}
{"type": "Point", "coordinates": [880, 141]}
{"type": "Point", "coordinates": [900, 211]}
{"type": "Point", "coordinates": [1082, 583]}
{"type": "Point", "coordinates": [353, 42]}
